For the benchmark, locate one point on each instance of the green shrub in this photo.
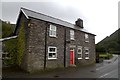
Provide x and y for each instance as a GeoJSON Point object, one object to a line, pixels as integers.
{"type": "Point", "coordinates": [11, 49]}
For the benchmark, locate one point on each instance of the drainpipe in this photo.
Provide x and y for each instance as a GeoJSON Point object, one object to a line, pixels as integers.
{"type": "Point", "coordinates": [45, 47]}
{"type": "Point", "coordinates": [65, 48]}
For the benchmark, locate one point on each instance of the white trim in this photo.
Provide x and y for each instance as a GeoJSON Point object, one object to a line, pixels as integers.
{"type": "Point", "coordinates": [86, 41]}
{"type": "Point", "coordinates": [79, 47]}
{"type": "Point", "coordinates": [52, 30]}
{"type": "Point", "coordinates": [52, 58]}
{"type": "Point", "coordinates": [24, 14]}
{"type": "Point", "coordinates": [86, 38]}
{"type": "Point", "coordinates": [80, 58]}
{"type": "Point", "coordinates": [86, 48]}
{"type": "Point", "coordinates": [87, 53]}
{"type": "Point", "coordinates": [72, 34]}
{"type": "Point", "coordinates": [52, 52]}
{"type": "Point", "coordinates": [3, 39]}
{"type": "Point", "coordinates": [87, 58]}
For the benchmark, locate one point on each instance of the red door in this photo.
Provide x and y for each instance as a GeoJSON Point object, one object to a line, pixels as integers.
{"type": "Point", "coordinates": [71, 56]}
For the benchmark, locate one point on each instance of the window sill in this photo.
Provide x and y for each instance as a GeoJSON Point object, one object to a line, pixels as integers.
{"type": "Point", "coordinates": [87, 58]}
{"type": "Point", "coordinates": [72, 39]}
{"type": "Point", "coordinates": [53, 36]}
{"type": "Point", "coordinates": [87, 41]}
{"type": "Point", "coordinates": [79, 58]}
{"type": "Point", "coordinates": [80, 53]}
{"type": "Point", "coordinates": [51, 58]}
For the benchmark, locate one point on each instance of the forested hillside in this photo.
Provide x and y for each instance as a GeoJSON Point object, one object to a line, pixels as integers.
{"type": "Point", "coordinates": [110, 43]}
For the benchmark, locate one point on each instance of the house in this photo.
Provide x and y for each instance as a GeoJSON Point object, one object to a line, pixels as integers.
{"type": "Point", "coordinates": [51, 43]}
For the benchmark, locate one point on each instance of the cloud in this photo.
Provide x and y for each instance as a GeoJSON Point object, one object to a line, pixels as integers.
{"type": "Point", "coordinates": [99, 16]}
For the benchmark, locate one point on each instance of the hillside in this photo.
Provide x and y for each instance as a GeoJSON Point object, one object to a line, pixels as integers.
{"type": "Point", "coordinates": [110, 43]}
{"type": "Point", "coordinates": [7, 29]}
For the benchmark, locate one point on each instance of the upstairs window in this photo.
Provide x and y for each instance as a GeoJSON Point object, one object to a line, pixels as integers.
{"type": "Point", "coordinates": [86, 53]}
{"type": "Point", "coordinates": [52, 52]}
{"type": "Point", "coordinates": [79, 52]}
{"type": "Point", "coordinates": [52, 31]}
{"type": "Point", "coordinates": [72, 35]}
{"type": "Point", "coordinates": [86, 38]}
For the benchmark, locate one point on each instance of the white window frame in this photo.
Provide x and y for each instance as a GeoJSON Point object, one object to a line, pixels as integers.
{"type": "Point", "coordinates": [79, 53]}
{"type": "Point", "coordinates": [86, 48]}
{"type": "Point", "coordinates": [72, 34]}
{"type": "Point", "coordinates": [51, 31]}
{"type": "Point", "coordinates": [52, 52]}
{"type": "Point", "coordinates": [86, 37]}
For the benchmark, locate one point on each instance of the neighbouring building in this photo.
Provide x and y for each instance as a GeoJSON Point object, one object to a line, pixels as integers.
{"type": "Point", "coordinates": [53, 43]}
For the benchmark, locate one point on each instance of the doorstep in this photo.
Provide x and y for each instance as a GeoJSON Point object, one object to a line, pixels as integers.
{"type": "Point", "coordinates": [73, 65]}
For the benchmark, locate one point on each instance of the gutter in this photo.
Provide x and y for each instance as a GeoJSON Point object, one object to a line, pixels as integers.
{"type": "Point", "coordinates": [65, 48]}
{"type": "Point", "coordinates": [45, 48]}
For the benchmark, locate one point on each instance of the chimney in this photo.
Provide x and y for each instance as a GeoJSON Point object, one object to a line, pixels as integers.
{"type": "Point", "coordinates": [79, 23]}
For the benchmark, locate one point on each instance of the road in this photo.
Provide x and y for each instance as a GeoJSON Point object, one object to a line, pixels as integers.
{"type": "Point", "coordinates": [109, 68]}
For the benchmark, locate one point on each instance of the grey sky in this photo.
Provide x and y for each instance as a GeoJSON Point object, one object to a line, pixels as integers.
{"type": "Point", "coordinates": [100, 16]}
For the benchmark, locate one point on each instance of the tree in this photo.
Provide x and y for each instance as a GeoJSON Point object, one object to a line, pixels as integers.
{"type": "Point", "coordinates": [100, 48]}
{"type": "Point", "coordinates": [9, 46]}
{"type": "Point", "coordinates": [7, 29]}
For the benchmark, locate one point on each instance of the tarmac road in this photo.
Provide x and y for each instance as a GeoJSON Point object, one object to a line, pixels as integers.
{"type": "Point", "coordinates": [107, 69]}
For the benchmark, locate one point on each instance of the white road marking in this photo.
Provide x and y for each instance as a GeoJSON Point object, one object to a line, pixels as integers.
{"type": "Point", "coordinates": [108, 73]}
{"type": "Point", "coordinates": [102, 67]}
{"type": "Point", "coordinates": [104, 75]}
{"type": "Point", "coordinates": [116, 58]}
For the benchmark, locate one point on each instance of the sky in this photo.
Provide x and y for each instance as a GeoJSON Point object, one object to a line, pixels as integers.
{"type": "Point", "coordinates": [100, 17]}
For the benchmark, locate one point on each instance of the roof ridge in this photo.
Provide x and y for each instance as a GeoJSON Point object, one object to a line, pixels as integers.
{"type": "Point", "coordinates": [46, 15]}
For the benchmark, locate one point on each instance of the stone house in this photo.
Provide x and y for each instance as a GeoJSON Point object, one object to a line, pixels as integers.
{"type": "Point", "coordinates": [53, 43]}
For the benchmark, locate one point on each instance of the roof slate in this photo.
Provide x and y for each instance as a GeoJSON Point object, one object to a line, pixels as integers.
{"type": "Point", "coordinates": [29, 13]}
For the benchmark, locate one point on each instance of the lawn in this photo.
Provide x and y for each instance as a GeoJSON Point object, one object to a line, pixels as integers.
{"type": "Point", "coordinates": [105, 55]}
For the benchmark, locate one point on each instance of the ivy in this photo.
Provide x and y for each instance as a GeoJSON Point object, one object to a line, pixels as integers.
{"type": "Point", "coordinates": [20, 44]}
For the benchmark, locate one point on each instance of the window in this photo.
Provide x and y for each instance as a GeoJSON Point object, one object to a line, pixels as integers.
{"type": "Point", "coordinates": [86, 53]}
{"type": "Point", "coordinates": [79, 52]}
{"type": "Point", "coordinates": [52, 31]}
{"type": "Point", "coordinates": [86, 38]}
{"type": "Point", "coordinates": [72, 34]}
{"type": "Point", "coordinates": [52, 52]}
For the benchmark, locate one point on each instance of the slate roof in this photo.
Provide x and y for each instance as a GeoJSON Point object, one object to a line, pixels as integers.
{"type": "Point", "coordinates": [29, 13]}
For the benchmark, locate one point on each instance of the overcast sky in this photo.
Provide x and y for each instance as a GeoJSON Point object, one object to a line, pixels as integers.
{"type": "Point", "coordinates": [100, 16]}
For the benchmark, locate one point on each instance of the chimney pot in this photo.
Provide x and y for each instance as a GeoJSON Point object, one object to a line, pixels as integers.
{"type": "Point", "coordinates": [79, 23]}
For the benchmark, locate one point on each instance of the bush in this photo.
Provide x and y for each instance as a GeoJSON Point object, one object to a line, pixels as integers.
{"type": "Point", "coordinates": [105, 55]}
{"type": "Point", "coordinates": [10, 48]}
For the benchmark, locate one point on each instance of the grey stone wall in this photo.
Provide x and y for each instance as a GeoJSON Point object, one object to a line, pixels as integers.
{"type": "Point", "coordinates": [36, 45]}
{"type": "Point", "coordinates": [34, 55]}
{"type": "Point", "coordinates": [36, 42]}
{"type": "Point", "coordinates": [80, 41]}
{"type": "Point", "coordinates": [24, 61]}
{"type": "Point", "coordinates": [58, 42]}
